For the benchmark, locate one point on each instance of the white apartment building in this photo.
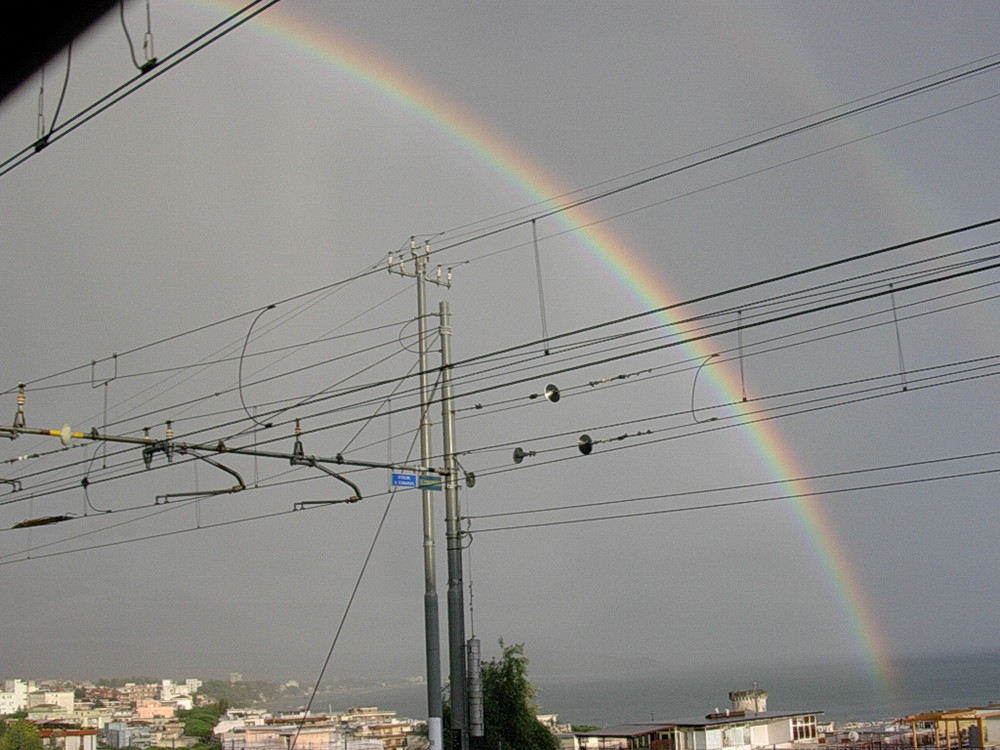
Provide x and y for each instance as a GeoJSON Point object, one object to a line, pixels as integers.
{"type": "Point", "coordinates": [14, 696]}
{"type": "Point", "coordinates": [170, 690]}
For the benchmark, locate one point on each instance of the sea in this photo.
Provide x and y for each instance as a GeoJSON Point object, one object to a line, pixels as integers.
{"type": "Point", "coordinates": [840, 692]}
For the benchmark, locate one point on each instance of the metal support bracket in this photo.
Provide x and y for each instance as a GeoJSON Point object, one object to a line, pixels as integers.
{"type": "Point", "coordinates": [313, 463]}
{"type": "Point", "coordinates": [185, 450]}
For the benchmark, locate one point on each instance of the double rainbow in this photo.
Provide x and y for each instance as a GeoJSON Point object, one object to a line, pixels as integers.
{"type": "Point", "coordinates": [372, 74]}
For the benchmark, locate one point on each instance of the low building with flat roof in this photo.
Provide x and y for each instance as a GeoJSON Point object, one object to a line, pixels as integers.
{"type": "Point", "coordinates": [726, 730]}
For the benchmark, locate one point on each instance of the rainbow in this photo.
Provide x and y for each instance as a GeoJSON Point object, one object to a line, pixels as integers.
{"type": "Point", "coordinates": [372, 74]}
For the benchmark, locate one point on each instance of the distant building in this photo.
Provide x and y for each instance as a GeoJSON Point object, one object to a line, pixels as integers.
{"type": "Point", "coordinates": [104, 694]}
{"type": "Point", "coordinates": [552, 723]}
{"type": "Point", "coordinates": [148, 709]}
{"type": "Point", "coordinates": [724, 730]}
{"type": "Point", "coordinates": [133, 692]}
{"type": "Point", "coordinates": [61, 698]}
{"type": "Point", "coordinates": [749, 701]}
{"type": "Point", "coordinates": [121, 734]}
{"type": "Point", "coordinates": [369, 722]}
{"type": "Point", "coordinates": [69, 738]}
{"type": "Point", "coordinates": [14, 696]}
{"type": "Point", "coordinates": [365, 728]}
{"type": "Point", "coordinates": [170, 690]}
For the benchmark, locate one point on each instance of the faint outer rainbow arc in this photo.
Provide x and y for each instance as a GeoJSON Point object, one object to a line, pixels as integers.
{"type": "Point", "coordinates": [373, 74]}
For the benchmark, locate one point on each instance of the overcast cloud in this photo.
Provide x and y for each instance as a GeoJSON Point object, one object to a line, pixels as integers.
{"type": "Point", "coordinates": [256, 172]}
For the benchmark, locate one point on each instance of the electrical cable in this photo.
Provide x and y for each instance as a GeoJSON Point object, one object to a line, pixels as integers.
{"type": "Point", "coordinates": [764, 321]}
{"type": "Point", "coordinates": [365, 419]}
{"type": "Point", "coordinates": [746, 419]}
{"type": "Point", "coordinates": [752, 411]}
{"type": "Point", "coordinates": [131, 86]}
{"type": "Point", "coordinates": [739, 503]}
{"type": "Point", "coordinates": [724, 154]}
{"type": "Point", "coordinates": [696, 191]}
{"type": "Point", "coordinates": [904, 94]}
{"type": "Point", "coordinates": [128, 37]}
{"type": "Point", "coordinates": [735, 487]}
{"type": "Point", "coordinates": [62, 95]}
{"type": "Point", "coordinates": [548, 202]}
{"type": "Point", "coordinates": [240, 375]}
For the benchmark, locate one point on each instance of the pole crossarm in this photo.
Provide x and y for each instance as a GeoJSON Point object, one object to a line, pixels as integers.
{"type": "Point", "coordinates": [157, 444]}
{"type": "Point", "coordinates": [169, 446]}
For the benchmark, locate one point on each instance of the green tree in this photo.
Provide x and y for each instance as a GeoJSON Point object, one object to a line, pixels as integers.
{"type": "Point", "coordinates": [200, 721]}
{"type": "Point", "coordinates": [20, 735]}
{"type": "Point", "coordinates": [509, 709]}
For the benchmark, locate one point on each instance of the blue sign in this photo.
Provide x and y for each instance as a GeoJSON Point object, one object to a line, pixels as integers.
{"type": "Point", "coordinates": [423, 481]}
{"type": "Point", "coordinates": [404, 480]}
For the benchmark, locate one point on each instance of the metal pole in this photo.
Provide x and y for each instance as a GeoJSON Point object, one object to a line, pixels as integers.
{"type": "Point", "coordinates": [432, 635]}
{"type": "Point", "coordinates": [456, 603]}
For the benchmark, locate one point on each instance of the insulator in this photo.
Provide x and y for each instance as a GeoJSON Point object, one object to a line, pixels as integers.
{"type": "Point", "coordinates": [19, 419]}
{"type": "Point", "coordinates": [449, 275]}
{"type": "Point", "coordinates": [170, 430]}
{"type": "Point", "coordinates": [298, 428]}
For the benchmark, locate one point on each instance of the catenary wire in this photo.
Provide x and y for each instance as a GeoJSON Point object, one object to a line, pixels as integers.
{"type": "Point", "coordinates": [724, 154]}
{"type": "Point", "coordinates": [739, 503]}
{"type": "Point", "coordinates": [906, 243]}
{"type": "Point", "coordinates": [134, 84]}
{"type": "Point", "coordinates": [736, 487]}
{"type": "Point", "coordinates": [607, 359]}
{"type": "Point", "coordinates": [493, 221]}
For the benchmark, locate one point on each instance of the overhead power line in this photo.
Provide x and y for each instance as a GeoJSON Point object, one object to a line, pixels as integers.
{"type": "Point", "coordinates": [144, 77]}
{"type": "Point", "coordinates": [727, 153]}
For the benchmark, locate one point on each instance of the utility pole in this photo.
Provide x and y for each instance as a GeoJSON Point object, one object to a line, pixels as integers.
{"type": "Point", "coordinates": [432, 635]}
{"type": "Point", "coordinates": [456, 601]}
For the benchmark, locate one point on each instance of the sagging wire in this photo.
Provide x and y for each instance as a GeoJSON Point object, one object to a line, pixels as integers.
{"type": "Point", "coordinates": [176, 57]}
{"type": "Point", "coordinates": [85, 481]}
{"type": "Point", "coordinates": [43, 136]}
{"type": "Point", "coordinates": [239, 377]}
{"type": "Point", "coordinates": [147, 40]}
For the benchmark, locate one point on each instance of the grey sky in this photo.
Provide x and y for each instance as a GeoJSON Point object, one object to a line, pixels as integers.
{"type": "Point", "coordinates": [255, 172]}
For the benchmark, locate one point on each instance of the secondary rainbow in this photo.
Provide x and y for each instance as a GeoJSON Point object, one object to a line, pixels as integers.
{"type": "Point", "coordinates": [374, 75]}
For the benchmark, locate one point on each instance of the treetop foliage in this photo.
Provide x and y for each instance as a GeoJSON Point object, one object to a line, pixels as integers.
{"type": "Point", "coordinates": [509, 708]}
{"type": "Point", "coordinates": [19, 735]}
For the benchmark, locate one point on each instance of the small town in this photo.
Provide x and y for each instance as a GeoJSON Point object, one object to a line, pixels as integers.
{"type": "Point", "coordinates": [63, 715]}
